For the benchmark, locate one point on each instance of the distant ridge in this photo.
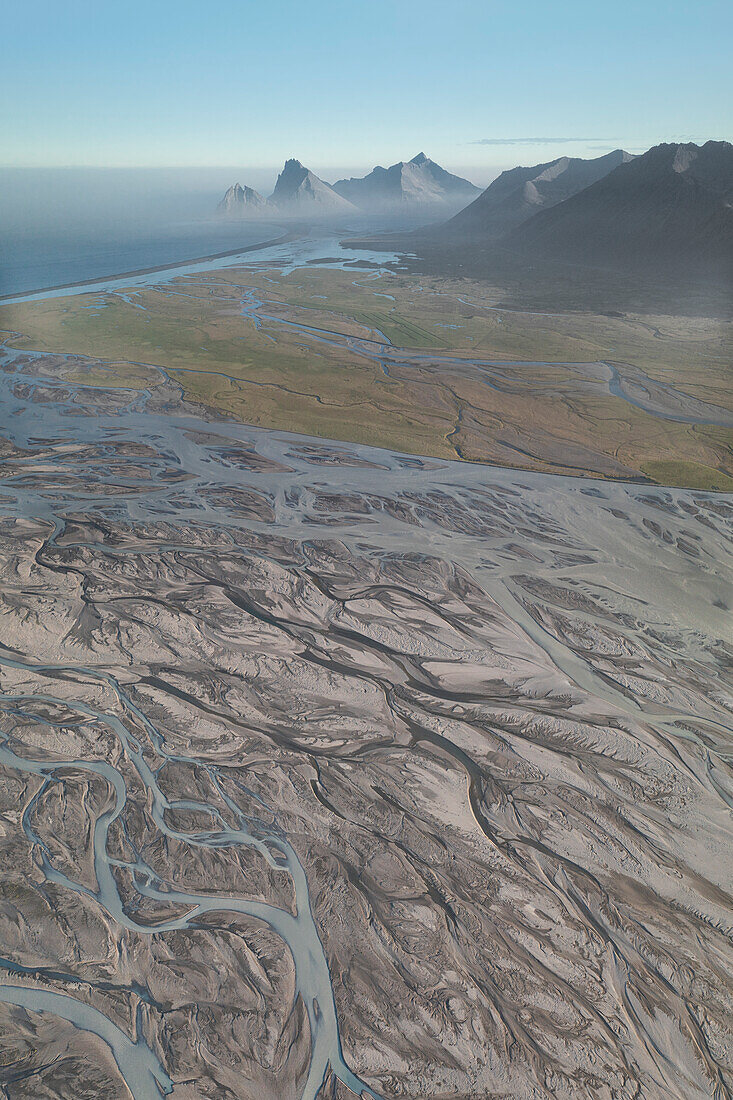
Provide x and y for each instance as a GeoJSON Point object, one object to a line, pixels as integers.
{"type": "Point", "coordinates": [411, 185]}
{"type": "Point", "coordinates": [655, 232]}
{"type": "Point", "coordinates": [414, 183]}
{"type": "Point", "coordinates": [298, 189]}
{"type": "Point", "coordinates": [667, 212]}
{"type": "Point", "coordinates": [240, 201]}
{"type": "Point", "coordinates": [520, 193]}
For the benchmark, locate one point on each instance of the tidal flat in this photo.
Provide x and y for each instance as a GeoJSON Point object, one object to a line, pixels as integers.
{"type": "Point", "coordinates": [331, 770]}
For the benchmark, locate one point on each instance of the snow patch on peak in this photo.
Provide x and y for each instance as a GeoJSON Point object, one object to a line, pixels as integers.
{"type": "Point", "coordinates": [555, 169]}
{"type": "Point", "coordinates": [683, 158]}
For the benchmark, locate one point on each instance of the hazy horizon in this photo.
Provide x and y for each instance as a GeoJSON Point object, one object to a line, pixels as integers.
{"type": "Point", "coordinates": [515, 152]}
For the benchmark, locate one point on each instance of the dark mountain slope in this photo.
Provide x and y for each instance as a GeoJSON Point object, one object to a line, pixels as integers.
{"type": "Point", "coordinates": [667, 212]}
{"type": "Point", "coordinates": [520, 193]}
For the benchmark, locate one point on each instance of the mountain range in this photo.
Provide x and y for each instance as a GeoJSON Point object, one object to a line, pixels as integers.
{"type": "Point", "coordinates": [418, 182]}
{"type": "Point", "coordinates": [669, 211]}
{"type": "Point", "coordinates": [607, 233]}
{"type": "Point", "coordinates": [412, 185]}
{"type": "Point", "coordinates": [297, 191]}
{"type": "Point", "coordinates": [518, 194]}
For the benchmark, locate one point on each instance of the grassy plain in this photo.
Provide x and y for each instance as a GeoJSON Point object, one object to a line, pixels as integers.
{"type": "Point", "coordinates": [289, 352]}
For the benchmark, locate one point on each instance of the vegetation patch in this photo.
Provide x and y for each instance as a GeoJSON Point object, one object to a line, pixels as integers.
{"type": "Point", "coordinates": [301, 352]}
{"type": "Point", "coordinates": [688, 475]}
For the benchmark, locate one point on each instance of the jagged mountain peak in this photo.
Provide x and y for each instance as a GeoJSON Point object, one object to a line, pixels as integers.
{"type": "Point", "coordinates": [241, 200]}
{"type": "Point", "coordinates": [297, 188]}
{"type": "Point", "coordinates": [415, 183]}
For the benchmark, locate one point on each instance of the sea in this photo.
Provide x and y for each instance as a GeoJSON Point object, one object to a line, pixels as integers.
{"type": "Point", "coordinates": [61, 226]}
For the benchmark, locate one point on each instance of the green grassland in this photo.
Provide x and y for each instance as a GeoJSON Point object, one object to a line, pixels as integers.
{"type": "Point", "coordinates": [539, 411]}
{"type": "Point", "coordinates": [698, 349]}
{"type": "Point", "coordinates": [693, 475]}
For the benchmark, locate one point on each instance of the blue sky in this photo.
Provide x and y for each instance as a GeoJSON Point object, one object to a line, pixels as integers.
{"type": "Point", "coordinates": [344, 85]}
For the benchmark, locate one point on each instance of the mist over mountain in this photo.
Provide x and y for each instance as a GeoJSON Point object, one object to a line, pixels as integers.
{"type": "Point", "coordinates": [300, 190]}
{"type": "Point", "coordinates": [519, 193]}
{"type": "Point", "coordinates": [610, 233]}
{"type": "Point", "coordinates": [414, 183]}
{"type": "Point", "coordinates": [242, 201]}
{"type": "Point", "coordinates": [407, 187]}
{"type": "Point", "coordinates": [668, 211]}
{"type": "Point", "coordinates": [64, 225]}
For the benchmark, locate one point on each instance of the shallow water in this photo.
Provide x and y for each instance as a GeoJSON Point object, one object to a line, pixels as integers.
{"type": "Point", "coordinates": [102, 274]}
{"type": "Point", "coordinates": [33, 261]}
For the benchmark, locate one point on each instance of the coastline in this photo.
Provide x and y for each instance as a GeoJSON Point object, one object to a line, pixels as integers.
{"type": "Point", "coordinates": [285, 238]}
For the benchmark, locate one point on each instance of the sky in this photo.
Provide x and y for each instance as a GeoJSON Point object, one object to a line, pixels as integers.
{"type": "Point", "coordinates": [479, 85]}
